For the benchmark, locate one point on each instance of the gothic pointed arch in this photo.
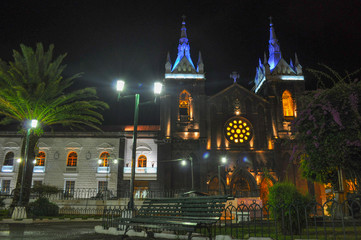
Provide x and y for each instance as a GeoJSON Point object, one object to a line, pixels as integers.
{"type": "Point", "coordinates": [242, 181]}
{"type": "Point", "coordinates": [213, 185]}
{"type": "Point", "coordinates": [185, 106]}
{"type": "Point", "coordinates": [288, 105]}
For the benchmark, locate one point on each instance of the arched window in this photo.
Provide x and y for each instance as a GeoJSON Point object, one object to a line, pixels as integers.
{"type": "Point", "coordinates": [9, 159]}
{"type": "Point", "coordinates": [287, 103]}
{"type": "Point", "coordinates": [142, 161]}
{"type": "Point", "coordinates": [72, 159]}
{"type": "Point", "coordinates": [184, 105]}
{"type": "Point", "coordinates": [104, 157]}
{"type": "Point", "coordinates": [40, 159]}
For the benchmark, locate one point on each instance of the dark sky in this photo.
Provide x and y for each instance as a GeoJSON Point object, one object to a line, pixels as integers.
{"type": "Point", "coordinates": [129, 39]}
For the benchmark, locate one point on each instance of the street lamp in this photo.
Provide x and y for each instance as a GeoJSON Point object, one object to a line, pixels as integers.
{"type": "Point", "coordinates": [120, 88]}
{"type": "Point", "coordinates": [19, 211]}
{"type": "Point", "coordinates": [222, 163]}
{"type": "Point", "coordinates": [184, 162]}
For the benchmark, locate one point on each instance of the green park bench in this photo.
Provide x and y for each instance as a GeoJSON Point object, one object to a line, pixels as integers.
{"type": "Point", "coordinates": [185, 214]}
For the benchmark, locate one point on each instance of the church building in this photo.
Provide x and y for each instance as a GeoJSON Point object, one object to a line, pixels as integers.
{"type": "Point", "coordinates": [235, 141]}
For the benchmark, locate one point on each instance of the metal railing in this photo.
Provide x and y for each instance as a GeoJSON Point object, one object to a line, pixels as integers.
{"type": "Point", "coordinates": [93, 193]}
{"type": "Point", "coordinates": [332, 220]}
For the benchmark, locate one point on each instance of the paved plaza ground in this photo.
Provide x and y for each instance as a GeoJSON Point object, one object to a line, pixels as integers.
{"type": "Point", "coordinates": [53, 231]}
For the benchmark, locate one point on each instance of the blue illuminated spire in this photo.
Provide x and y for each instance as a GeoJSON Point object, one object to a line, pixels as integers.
{"type": "Point", "coordinates": [274, 48]}
{"type": "Point", "coordinates": [183, 47]}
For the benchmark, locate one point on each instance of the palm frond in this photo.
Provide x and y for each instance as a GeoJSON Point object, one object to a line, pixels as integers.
{"type": "Point", "coordinates": [32, 86]}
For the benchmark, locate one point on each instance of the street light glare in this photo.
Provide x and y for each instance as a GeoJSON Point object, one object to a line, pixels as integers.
{"type": "Point", "coordinates": [158, 87]}
{"type": "Point", "coordinates": [18, 160]}
{"type": "Point", "coordinates": [115, 161]}
{"type": "Point", "coordinates": [223, 159]}
{"type": "Point", "coordinates": [184, 162]}
{"type": "Point", "coordinates": [34, 161]}
{"type": "Point", "coordinates": [99, 161]}
{"type": "Point", "coordinates": [120, 85]}
{"type": "Point", "coordinates": [34, 123]}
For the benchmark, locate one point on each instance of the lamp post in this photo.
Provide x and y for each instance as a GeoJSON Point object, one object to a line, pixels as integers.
{"type": "Point", "coordinates": [222, 163]}
{"type": "Point", "coordinates": [19, 211]}
{"type": "Point", "coordinates": [157, 91]}
{"type": "Point", "coordinates": [191, 161]}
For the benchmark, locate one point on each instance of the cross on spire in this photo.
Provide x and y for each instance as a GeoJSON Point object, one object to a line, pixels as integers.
{"type": "Point", "coordinates": [184, 17]}
{"type": "Point", "coordinates": [270, 20]}
{"type": "Point", "coordinates": [234, 76]}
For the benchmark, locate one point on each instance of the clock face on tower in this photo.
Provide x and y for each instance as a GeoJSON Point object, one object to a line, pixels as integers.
{"type": "Point", "coordinates": [238, 130]}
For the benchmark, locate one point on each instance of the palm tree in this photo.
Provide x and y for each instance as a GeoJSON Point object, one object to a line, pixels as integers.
{"type": "Point", "coordinates": [32, 87]}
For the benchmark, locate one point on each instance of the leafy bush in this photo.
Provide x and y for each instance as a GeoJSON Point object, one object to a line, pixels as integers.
{"type": "Point", "coordinates": [288, 207]}
{"type": "Point", "coordinates": [43, 207]}
{"type": "Point", "coordinates": [43, 190]}
{"type": "Point", "coordinates": [2, 203]}
{"type": "Point", "coordinates": [4, 213]}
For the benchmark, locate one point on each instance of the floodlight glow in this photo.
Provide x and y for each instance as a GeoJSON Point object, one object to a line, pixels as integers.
{"type": "Point", "coordinates": [34, 161]}
{"type": "Point", "coordinates": [184, 75]}
{"type": "Point", "coordinates": [184, 162]}
{"type": "Point", "coordinates": [120, 85]}
{"type": "Point", "coordinates": [99, 161]}
{"type": "Point", "coordinates": [223, 159]}
{"type": "Point", "coordinates": [259, 85]}
{"type": "Point", "coordinates": [34, 123]}
{"type": "Point", "coordinates": [115, 161]}
{"type": "Point", "coordinates": [18, 160]}
{"type": "Point", "coordinates": [285, 77]}
{"type": "Point", "coordinates": [158, 87]}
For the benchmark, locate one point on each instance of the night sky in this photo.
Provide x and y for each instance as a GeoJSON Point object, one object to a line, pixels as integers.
{"type": "Point", "coordinates": [130, 39]}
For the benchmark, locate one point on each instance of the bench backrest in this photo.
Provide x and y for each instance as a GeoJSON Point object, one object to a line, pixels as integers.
{"type": "Point", "coordinates": [192, 208]}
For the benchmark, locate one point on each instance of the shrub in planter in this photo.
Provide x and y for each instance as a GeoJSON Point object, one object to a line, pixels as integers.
{"type": "Point", "coordinates": [288, 207]}
{"type": "Point", "coordinates": [2, 203]}
{"type": "Point", "coordinates": [43, 207]}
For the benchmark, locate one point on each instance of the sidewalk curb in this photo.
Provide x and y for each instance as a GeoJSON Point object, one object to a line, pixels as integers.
{"type": "Point", "coordinates": [47, 220]}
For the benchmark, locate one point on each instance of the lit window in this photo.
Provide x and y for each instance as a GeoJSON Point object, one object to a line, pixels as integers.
{"type": "Point", "coordinates": [240, 130]}
{"type": "Point", "coordinates": [104, 157]}
{"type": "Point", "coordinates": [69, 188]}
{"type": "Point", "coordinates": [142, 161]}
{"type": "Point", "coordinates": [9, 159]}
{"type": "Point", "coordinates": [5, 187]}
{"type": "Point", "coordinates": [72, 159]}
{"type": "Point", "coordinates": [40, 159]}
{"type": "Point", "coordinates": [184, 105]}
{"type": "Point", "coordinates": [102, 186]}
{"type": "Point", "coordinates": [287, 103]}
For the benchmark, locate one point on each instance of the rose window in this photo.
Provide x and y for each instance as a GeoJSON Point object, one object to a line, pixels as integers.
{"type": "Point", "coordinates": [238, 130]}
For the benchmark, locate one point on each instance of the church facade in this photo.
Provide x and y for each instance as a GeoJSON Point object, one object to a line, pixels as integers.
{"type": "Point", "coordinates": [233, 141]}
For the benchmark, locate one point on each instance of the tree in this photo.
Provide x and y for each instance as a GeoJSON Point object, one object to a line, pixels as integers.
{"type": "Point", "coordinates": [32, 87]}
{"type": "Point", "coordinates": [288, 207]}
{"type": "Point", "coordinates": [329, 129]}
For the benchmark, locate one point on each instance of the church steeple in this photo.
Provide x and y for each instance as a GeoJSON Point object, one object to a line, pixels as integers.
{"type": "Point", "coordinates": [274, 48]}
{"type": "Point", "coordinates": [168, 64]}
{"type": "Point", "coordinates": [200, 65]}
{"type": "Point", "coordinates": [183, 47]}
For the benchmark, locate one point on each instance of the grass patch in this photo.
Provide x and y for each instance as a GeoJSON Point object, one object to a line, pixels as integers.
{"type": "Point", "coordinates": [4, 213]}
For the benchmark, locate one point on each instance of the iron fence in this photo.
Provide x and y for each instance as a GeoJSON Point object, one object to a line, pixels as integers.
{"type": "Point", "coordinates": [93, 193]}
{"type": "Point", "coordinates": [94, 211]}
{"type": "Point", "coordinates": [331, 220]}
